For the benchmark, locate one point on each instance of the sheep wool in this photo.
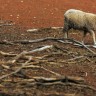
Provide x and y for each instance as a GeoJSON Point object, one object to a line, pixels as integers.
{"type": "Point", "coordinates": [79, 20]}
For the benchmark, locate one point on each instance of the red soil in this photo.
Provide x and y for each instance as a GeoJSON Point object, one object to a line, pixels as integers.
{"type": "Point", "coordinates": [44, 13]}
{"type": "Point", "coordinates": [41, 13]}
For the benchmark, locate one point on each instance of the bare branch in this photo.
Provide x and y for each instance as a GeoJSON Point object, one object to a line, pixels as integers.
{"type": "Point", "coordinates": [56, 40]}
{"type": "Point", "coordinates": [7, 54]}
{"type": "Point", "coordinates": [16, 71]}
{"type": "Point", "coordinates": [30, 52]}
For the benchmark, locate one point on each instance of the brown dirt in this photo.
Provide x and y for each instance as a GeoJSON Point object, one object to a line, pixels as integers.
{"type": "Point", "coordinates": [84, 67]}
{"type": "Point", "coordinates": [41, 13]}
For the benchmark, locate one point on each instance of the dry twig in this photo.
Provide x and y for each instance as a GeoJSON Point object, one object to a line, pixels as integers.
{"type": "Point", "coordinates": [30, 52]}
{"type": "Point", "coordinates": [16, 71]}
{"type": "Point", "coordinates": [56, 40]}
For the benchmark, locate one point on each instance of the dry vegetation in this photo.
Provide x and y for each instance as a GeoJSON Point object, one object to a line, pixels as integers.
{"type": "Point", "coordinates": [40, 63]}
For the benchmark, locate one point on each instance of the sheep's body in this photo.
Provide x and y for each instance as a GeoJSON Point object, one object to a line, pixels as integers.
{"type": "Point", "coordinates": [80, 20]}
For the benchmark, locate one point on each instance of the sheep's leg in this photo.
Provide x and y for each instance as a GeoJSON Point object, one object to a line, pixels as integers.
{"type": "Point", "coordinates": [83, 37]}
{"type": "Point", "coordinates": [66, 28]}
{"type": "Point", "coordinates": [65, 31]}
{"type": "Point", "coordinates": [65, 34]}
{"type": "Point", "coordinates": [93, 36]}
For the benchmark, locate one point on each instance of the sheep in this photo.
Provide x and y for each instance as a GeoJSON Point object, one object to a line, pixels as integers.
{"type": "Point", "coordinates": [80, 20]}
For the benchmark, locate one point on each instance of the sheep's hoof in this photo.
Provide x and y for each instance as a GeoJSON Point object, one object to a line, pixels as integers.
{"type": "Point", "coordinates": [94, 46]}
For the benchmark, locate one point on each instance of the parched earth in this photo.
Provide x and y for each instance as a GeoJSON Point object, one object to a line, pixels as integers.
{"type": "Point", "coordinates": [67, 60]}
{"type": "Point", "coordinates": [63, 61]}
{"type": "Point", "coordinates": [41, 13]}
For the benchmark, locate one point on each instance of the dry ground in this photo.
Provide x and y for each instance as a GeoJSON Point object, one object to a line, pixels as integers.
{"type": "Point", "coordinates": [41, 13]}
{"type": "Point", "coordinates": [61, 60]}
{"type": "Point", "coordinates": [65, 59]}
